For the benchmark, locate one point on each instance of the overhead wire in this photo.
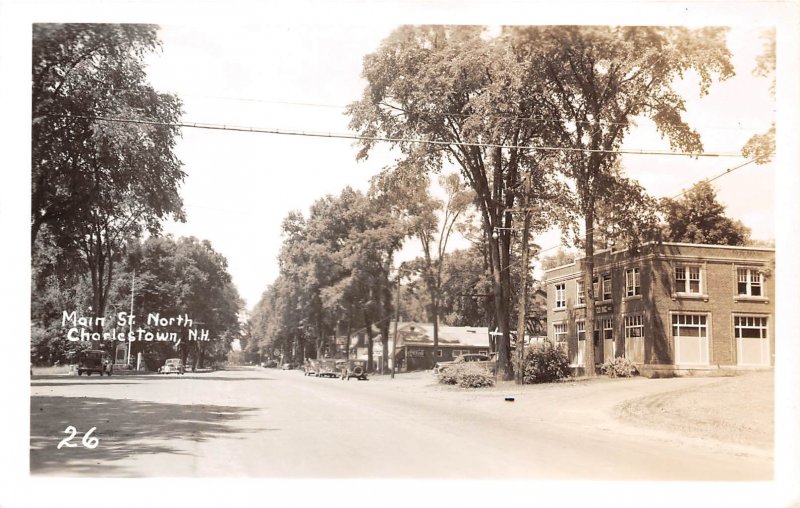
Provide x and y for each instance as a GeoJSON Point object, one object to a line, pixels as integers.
{"type": "Point", "coordinates": [426, 113]}
{"type": "Point", "coordinates": [332, 135]}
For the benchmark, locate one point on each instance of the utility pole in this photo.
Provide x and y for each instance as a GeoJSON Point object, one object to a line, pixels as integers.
{"type": "Point", "coordinates": [523, 293]}
{"type": "Point", "coordinates": [396, 319]}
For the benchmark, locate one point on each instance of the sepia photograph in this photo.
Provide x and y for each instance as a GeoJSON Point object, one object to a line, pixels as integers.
{"type": "Point", "coordinates": [428, 250]}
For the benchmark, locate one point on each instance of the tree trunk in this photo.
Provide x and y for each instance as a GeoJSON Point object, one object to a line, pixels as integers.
{"type": "Point", "coordinates": [435, 312]}
{"type": "Point", "coordinates": [368, 331]}
{"type": "Point", "coordinates": [503, 367]}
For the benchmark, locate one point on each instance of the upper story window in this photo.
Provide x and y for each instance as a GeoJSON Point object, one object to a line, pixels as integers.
{"type": "Point", "coordinates": [580, 297]}
{"type": "Point", "coordinates": [606, 286]}
{"type": "Point", "coordinates": [749, 282]}
{"type": "Point", "coordinates": [687, 279]}
{"type": "Point", "coordinates": [561, 295]}
{"type": "Point", "coordinates": [633, 285]}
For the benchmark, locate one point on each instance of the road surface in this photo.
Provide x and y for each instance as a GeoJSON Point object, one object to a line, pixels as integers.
{"type": "Point", "coordinates": [281, 424]}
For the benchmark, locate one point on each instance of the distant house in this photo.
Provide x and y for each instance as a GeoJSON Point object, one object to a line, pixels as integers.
{"type": "Point", "coordinates": [415, 344]}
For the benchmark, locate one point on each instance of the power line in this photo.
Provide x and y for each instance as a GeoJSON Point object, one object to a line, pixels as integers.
{"type": "Point", "coordinates": [332, 135]}
{"type": "Point", "coordinates": [405, 111]}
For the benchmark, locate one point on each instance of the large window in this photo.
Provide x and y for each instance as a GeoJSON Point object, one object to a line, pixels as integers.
{"type": "Point", "coordinates": [632, 282]}
{"type": "Point", "coordinates": [749, 282]}
{"type": "Point", "coordinates": [580, 297]}
{"type": "Point", "coordinates": [634, 326]}
{"type": "Point", "coordinates": [561, 297]}
{"type": "Point", "coordinates": [750, 327]}
{"type": "Point", "coordinates": [581, 327]}
{"type": "Point", "coordinates": [689, 325]}
{"type": "Point", "coordinates": [687, 279]}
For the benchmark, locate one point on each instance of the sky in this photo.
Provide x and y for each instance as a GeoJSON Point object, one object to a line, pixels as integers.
{"type": "Point", "coordinates": [240, 186]}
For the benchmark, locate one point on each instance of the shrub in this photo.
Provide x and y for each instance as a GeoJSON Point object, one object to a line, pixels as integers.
{"type": "Point", "coordinates": [466, 375]}
{"type": "Point", "coordinates": [543, 363]}
{"type": "Point", "coordinates": [448, 375]}
{"type": "Point", "coordinates": [618, 367]}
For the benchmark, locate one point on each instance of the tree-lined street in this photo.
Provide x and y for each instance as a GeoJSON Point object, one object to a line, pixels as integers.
{"type": "Point", "coordinates": [273, 423]}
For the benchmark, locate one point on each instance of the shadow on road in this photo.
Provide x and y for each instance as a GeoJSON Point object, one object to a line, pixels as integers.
{"type": "Point", "coordinates": [136, 377]}
{"type": "Point", "coordinates": [125, 428]}
{"type": "Point", "coordinates": [76, 383]}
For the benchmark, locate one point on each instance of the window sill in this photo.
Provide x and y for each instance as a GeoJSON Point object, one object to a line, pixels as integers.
{"type": "Point", "coordinates": [607, 300]}
{"type": "Point", "coordinates": [559, 309]}
{"type": "Point", "coordinates": [630, 298]}
{"type": "Point", "coordinates": [689, 296]}
{"type": "Point", "coordinates": [754, 299]}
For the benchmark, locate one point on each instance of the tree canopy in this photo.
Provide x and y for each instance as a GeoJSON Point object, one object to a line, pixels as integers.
{"type": "Point", "coordinates": [697, 217]}
{"type": "Point", "coordinates": [96, 182]}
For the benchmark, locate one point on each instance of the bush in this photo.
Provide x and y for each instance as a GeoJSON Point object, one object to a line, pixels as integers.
{"type": "Point", "coordinates": [466, 375]}
{"type": "Point", "coordinates": [618, 367]}
{"type": "Point", "coordinates": [543, 363]}
{"type": "Point", "coordinates": [448, 375]}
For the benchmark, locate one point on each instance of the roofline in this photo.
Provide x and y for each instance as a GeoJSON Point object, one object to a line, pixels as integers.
{"type": "Point", "coordinates": [675, 244]}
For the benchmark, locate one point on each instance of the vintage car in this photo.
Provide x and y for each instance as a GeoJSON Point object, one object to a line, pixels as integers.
{"type": "Point", "coordinates": [354, 368]}
{"type": "Point", "coordinates": [172, 366]}
{"type": "Point", "coordinates": [490, 362]}
{"type": "Point", "coordinates": [329, 367]}
{"type": "Point", "coordinates": [310, 367]}
{"type": "Point", "coordinates": [94, 361]}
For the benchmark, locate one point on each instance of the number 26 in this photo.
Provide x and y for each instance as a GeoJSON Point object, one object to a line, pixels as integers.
{"type": "Point", "coordinates": [88, 442]}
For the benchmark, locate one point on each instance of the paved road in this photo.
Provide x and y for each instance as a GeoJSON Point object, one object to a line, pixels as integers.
{"type": "Point", "coordinates": [271, 423]}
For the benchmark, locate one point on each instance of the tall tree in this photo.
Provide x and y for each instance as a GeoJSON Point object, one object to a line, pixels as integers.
{"type": "Point", "coordinates": [97, 182]}
{"type": "Point", "coordinates": [697, 217]}
{"type": "Point", "coordinates": [468, 99]}
{"type": "Point", "coordinates": [596, 80]}
{"type": "Point", "coordinates": [185, 276]}
{"type": "Point", "coordinates": [431, 221]}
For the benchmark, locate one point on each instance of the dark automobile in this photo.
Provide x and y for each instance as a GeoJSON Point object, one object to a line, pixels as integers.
{"type": "Point", "coordinates": [354, 368]}
{"type": "Point", "coordinates": [172, 366]}
{"type": "Point", "coordinates": [94, 361]}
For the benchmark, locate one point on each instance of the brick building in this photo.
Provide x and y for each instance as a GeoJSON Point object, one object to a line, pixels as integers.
{"type": "Point", "coordinates": [670, 307]}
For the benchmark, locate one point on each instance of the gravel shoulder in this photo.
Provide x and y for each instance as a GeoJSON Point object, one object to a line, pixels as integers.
{"type": "Point", "coordinates": [738, 410]}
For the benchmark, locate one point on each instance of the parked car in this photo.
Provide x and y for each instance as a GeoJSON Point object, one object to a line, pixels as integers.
{"type": "Point", "coordinates": [172, 366]}
{"type": "Point", "coordinates": [354, 368]}
{"type": "Point", "coordinates": [287, 366]}
{"type": "Point", "coordinates": [328, 367]}
{"type": "Point", "coordinates": [311, 367]}
{"type": "Point", "coordinates": [490, 362]}
{"type": "Point", "coordinates": [94, 361]}
{"type": "Point", "coordinates": [268, 364]}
